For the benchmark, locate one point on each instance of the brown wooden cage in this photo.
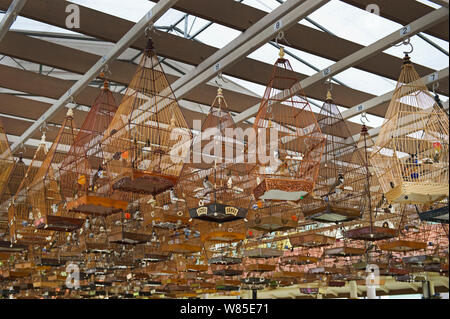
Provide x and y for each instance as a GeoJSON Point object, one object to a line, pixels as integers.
{"type": "Point", "coordinates": [145, 143]}
{"type": "Point", "coordinates": [411, 153]}
{"type": "Point", "coordinates": [6, 163]}
{"type": "Point", "coordinates": [21, 215]}
{"type": "Point", "coordinates": [85, 182]}
{"type": "Point", "coordinates": [286, 125]}
{"type": "Point", "coordinates": [340, 190]}
{"type": "Point", "coordinates": [214, 182]}
{"type": "Point", "coordinates": [47, 198]}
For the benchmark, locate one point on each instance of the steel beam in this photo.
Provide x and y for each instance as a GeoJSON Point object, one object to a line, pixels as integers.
{"type": "Point", "coordinates": [136, 31]}
{"type": "Point", "coordinates": [443, 3]}
{"type": "Point", "coordinates": [10, 16]}
{"type": "Point", "coordinates": [415, 27]}
{"type": "Point", "coordinates": [259, 33]}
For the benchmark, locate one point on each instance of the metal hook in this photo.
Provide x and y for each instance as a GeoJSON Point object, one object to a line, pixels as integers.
{"type": "Point", "coordinates": [330, 84]}
{"type": "Point", "coordinates": [407, 41]}
{"type": "Point", "coordinates": [364, 118]}
{"type": "Point", "coordinates": [148, 28]}
{"type": "Point", "coordinates": [105, 70]}
{"type": "Point", "coordinates": [43, 127]}
{"type": "Point", "coordinates": [435, 86]}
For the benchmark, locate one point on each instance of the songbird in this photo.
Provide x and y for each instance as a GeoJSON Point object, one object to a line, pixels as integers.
{"type": "Point", "coordinates": [207, 184]}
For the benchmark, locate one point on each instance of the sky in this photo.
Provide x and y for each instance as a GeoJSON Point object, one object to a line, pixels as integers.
{"type": "Point", "coordinates": [343, 20]}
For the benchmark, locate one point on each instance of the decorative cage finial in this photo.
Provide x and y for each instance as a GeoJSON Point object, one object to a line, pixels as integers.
{"type": "Point", "coordinates": [69, 112]}
{"type": "Point", "coordinates": [219, 92]}
{"type": "Point", "coordinates": [281, 54]}
{"type": "Point", "coordinates": [329, 96]}
{"type": "Point", "coordinates": [43, 138]}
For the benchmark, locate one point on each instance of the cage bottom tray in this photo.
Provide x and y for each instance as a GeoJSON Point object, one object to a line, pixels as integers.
{"type": "Point", "coordinates": [402, 245]}
{"type": "Point", "coordinates": [364, 233]}
{"type": "Point", "coordinates": [224, 260]}
{"type": "Point", "coordinates": [260, 267]}
{"type": "Point", "coordinates": [311, 240]}
{"type": "Point", "coordinates": [61, 223]}
{"type": "Point", "coordinates": [438, 215]}
{"type": "Point", "coordinates": [417, 193]}
{"type": "Point", "coordinates": [263, 253]}
{"type": "Point", "coordinates": [143, 182]}
{"type": "Point", "coordinates": [333, 214]}
{"type": "Point", "coordinates": [129, 238]}
{"type": "Point", "coordinates": [217, 212]}
{"type": "Point", "coordinates": [182, 248]}
{"type": "Point", "coordinates": [96, 205]}
{"type": "Point", "coordinates": [228, 272]}
{"type": "Point", "coordinates": [282, 189]}
{"type": "Point", "coordinates": [299, 260]}
{"type": "Point", "coordinates": [223, 237]}
{"type": "Point", "coordinates": [344, 251]}
{"type": "Point", "coordinates": [272, 223]}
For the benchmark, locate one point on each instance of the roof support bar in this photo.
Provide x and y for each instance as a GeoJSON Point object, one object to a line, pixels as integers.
{"type": "Point", "coordinates": [136, 31]}
{"type": "Point", "coordinates": [10, 16]}
{"type": "Point", "coordinates": [420, 24]}
{"type": "Point", "coordinates": [443, 3]}
{"type": "Point", "coordinates": [281, 18]}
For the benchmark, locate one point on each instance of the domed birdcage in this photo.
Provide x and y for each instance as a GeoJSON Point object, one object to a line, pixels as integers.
{"type": "Point", "coordinates": [341, 186]}
{"type": "Point", "coordinates": [12, 184]}
{"type": "Point", "coordinates": [147, 140]}
{"type": "Point", "coordinates": [215, 183]}
{"type": "Point", "coordinates": [411, 153]}
{"type": "Point", "coordinates": [84, 180]}
{"type": "Point", "coordinates": [370, 194]}
{"type": "Point", "coordinates": [6, 161]}
{"type": "Point", "coordinates": [47, 198]}
{"type": "Point", "coordinates": [280, 216]}
{"type": "Point", "coordinates": [286, 125]}
{"type": "Point", "coordinates": [21, 216]}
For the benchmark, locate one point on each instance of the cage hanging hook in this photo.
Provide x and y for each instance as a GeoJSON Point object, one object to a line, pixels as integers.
{"type": "Point", "coordinates": [105, 70]}
{"type": "Point", "coordinates": [364, 118]}
{"type": "Point", "coordinates": [330, 84]}
{"type": "Point", "coordinates": [434, 87]}
{"type": "Point", "coordinates": [149, 28]}
{"type": "Point", "coordinates": [407, 41]}
{"type": "Point", "coordinates": [44, 127]}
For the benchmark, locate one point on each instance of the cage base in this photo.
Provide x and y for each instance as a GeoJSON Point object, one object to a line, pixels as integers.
{"type": "Point", "coordinates": [96, 205]}
{"type": "Point", "coordinates": [223, 237]}
{"type": "Point", "coordinates": [402, 245]}
{"type": "Point", "coordinates": [129, 238]}
{"type": "Point", "coordinates": [143, 182]}
{"type": "Point", "coordinates": [63, 224]}
{"type": "Point", "coordinates": [417, 193]}
{"type": "Point", "coordinates": [272, 223]}
{"type": "Point", "coordinates": [282, 189]}
{"type": "Point", "coordinates": [311, 240]}
{"type": "Point", "coordinates": [333, 214]}
{"type": "Point", "coordinates": [378, 233]}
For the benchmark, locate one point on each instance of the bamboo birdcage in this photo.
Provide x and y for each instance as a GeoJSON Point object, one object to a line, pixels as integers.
{"type": "Point", "coordinates": [280, 216]}
{"type": "Point", "coordinates": [215, 184]}
{"type": "Point", "coordinates": [45, 191]}
{"type": "Point", "coordinates": [411, 153]}
{"type": "Point", "coordinates": [21, 216]}
{"type": "Point", "coordinates": [6, 162]}
{"type": "Point", "coordinates": [84, 181]}
{"type": "Point", "coordinates": [15, 178]}
{"type": "Point", "coordinates": [145, 143]}
{"type": "Point", "coordinates": [285, 124]}
{"type": "Point", "coordinates": [340, 189]}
